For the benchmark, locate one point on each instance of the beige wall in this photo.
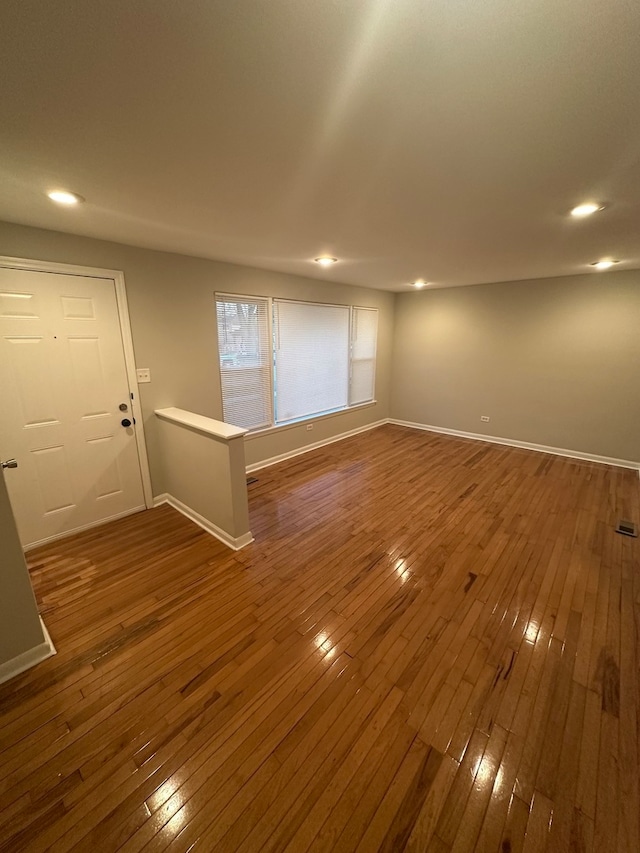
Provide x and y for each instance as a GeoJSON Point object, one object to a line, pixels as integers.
{"type": "Point", "coordinates": [20, 629]}
{"type": "Point", "coordinates": [553, 362]}
{"type": "Point", "coordinates": [172, 310]}
{"type": "Point", "coordinates": [207, 474]}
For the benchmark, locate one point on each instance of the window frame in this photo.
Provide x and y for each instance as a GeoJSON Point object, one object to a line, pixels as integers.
{"type": "Point", "coordinates": [271, 300]}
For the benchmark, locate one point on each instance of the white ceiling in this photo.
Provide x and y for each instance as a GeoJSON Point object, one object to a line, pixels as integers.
{"type": "Point", "coordinates": [444, 139]}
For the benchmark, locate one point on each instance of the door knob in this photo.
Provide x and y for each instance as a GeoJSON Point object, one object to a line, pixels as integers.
{"type": "Point", "coordinates": [125, 422]}
{"type": "Point", "coordinates": [10, 463]}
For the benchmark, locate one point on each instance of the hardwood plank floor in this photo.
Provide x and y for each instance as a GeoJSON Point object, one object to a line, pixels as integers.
{"type": "Point", "coordinates": [432, 645]}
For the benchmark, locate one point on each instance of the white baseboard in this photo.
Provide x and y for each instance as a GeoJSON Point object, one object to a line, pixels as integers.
{"type": "Point", "coordinates": [273, 460]}
{"type": "Point", "coordinates": [525, 445]}
{"type": "Point", "coordinates": [29, 658]}
{"type": "Point", "coordinates": [230, 541]}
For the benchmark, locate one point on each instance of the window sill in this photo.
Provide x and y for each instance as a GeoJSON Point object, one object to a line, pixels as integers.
{"type": "Point", "coordinates": [312, 419]}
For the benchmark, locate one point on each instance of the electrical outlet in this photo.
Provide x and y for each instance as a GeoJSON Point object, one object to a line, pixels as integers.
{"type": "Point", "coordinates": [309, 426]}
{"type": "Point", "coordinates": [485, 418]}
{"type": "Point", "coordinates": [143, 374]}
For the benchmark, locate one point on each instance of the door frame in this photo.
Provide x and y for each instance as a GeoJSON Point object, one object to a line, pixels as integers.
{"type": "Point", "coordinates": [117, 277]}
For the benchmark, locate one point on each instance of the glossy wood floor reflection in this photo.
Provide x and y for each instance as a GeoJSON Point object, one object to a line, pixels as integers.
{"type": "Point", "coordinates": [431, 646]}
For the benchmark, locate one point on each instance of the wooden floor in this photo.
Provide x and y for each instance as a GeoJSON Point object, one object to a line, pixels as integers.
{"type": "Point", "coordinates": [431, 646]}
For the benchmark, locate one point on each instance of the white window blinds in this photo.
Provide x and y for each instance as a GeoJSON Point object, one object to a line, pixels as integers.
{"type": "Point", "coordinates": [311, 359]}
{"type": "Point", "coordinates": [282, 361]}
{"type": "Point", "coordinates": [364, 333]}
{"type": "Point", "coordinates": [245, 360]}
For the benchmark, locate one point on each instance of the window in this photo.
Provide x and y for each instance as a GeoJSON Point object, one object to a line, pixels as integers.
{"type": "Point", "coordinates": [364, 331]}
{"type": "Point", "coordinates": [282, 361]}
{"type": "Point", "coordinates": [245, 361]}
{"type": "Point", "coordinates": [311, 359]}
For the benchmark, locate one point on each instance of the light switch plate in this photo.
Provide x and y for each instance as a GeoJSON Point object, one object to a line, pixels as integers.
{"type": "Point", "coordinates": [143, 374]}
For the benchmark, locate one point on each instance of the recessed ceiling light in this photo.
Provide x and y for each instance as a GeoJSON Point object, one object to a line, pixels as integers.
{"type": "Point", "coordinates": [420, 282]}
{"type": "Point", "coordinates": [586, 209]}
{"type": "Point", "coordinates": [326, 261]}
{"type": "Point", "coordinates": [64, 197]}
{"type": "Point", "coordinates": [604, 264]}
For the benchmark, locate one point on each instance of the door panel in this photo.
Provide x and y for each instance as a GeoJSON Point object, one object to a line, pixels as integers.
{"type": "Point", "coordinates": [29, 359]}
{"type": "Point", "coordinates": [103, 464]}
{"type": "Point", "coordinates": [90, 388]}
{"type": "Point", "coordinates": [54, 479]}
{"type": "Point", "coordinates": [63, 376]}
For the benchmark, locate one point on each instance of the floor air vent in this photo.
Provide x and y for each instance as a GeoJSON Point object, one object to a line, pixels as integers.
{"type": "Point", "coordinates": [627, 527]}
{"type": "Point", "coordinates": [251, 480]}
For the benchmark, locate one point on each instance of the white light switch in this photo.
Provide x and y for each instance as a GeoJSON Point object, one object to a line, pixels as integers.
{"type": "Point", "coordinates": [143, 374]}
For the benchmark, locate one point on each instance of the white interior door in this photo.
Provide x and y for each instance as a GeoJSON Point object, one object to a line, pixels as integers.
{"type": "Point", "coordinates": [62, 379]}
